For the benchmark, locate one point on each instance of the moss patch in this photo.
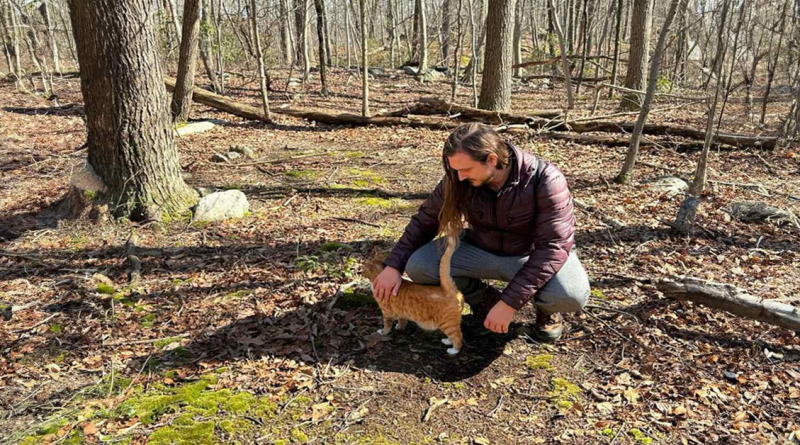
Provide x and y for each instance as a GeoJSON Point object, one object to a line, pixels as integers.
{"type": "Point", "coordinates": [640, 437]}
{"type": "Point", "coordinates": [597, 293]}
{"type": "Point", "coordinates": [393, 203]}
{"type": "Point", "coordinates": [564, 393]}
{"type": "Point", "coordinates": [301, 174]}
{"type": "Point", "coordinates": [542, 361]}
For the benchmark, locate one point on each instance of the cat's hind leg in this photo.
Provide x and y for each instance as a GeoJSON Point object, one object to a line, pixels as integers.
{"type": "Point", "coordinates": [454, 338]}
{"type": "Point", "coordinates": [401, 324]}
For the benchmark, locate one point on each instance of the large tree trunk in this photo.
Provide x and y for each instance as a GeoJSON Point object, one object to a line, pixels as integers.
{"type": "Point", "coordinates": [733, 300]}
{"type": "Point", "coordinates": [130, 135]}
{"type": "Point", "coordinates": [301, 29]}
{"type": "Point", "coordinates": [641, 21]}
{"type": "Point", "coordinates": [496, 83]}
{"type": "Point", "coordinates": [182, 96]}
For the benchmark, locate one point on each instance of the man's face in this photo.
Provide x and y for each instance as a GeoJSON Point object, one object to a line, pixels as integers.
{"type": "Point", "coordinates": [477, 173]}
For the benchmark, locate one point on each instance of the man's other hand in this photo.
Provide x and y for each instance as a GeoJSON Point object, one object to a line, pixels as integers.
{"type": "Point", "coordinates": [386, 284]}
{"type": "Point", "coordinates": [499, 318]}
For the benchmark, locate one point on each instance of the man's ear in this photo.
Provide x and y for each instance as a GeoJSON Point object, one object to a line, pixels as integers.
{"type": "Point", "coordinates": [491, 160]}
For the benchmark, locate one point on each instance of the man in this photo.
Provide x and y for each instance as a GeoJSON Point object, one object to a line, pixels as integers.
{"type": "Point", "coordinates": [521, 229]}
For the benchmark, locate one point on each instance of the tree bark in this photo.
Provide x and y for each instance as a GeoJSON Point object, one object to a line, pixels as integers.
{"type": "Point", "coordinates": [518, 23]}
{"type": "Point", "coordinates": [422, 37]}
{"type": "Point", "coordinates": [474, 64]}
{"type": "Point", "coordinates": [205, 51]}
{"type": "Point", "coordinates": [322, 51]}
{"type": "Point", "coordinates": [732, 300]}
{"type": "Point", "coordinates": [182, 96]}
{"type": "Point", "coordinates": [286, 41]}
{"type": "Point", "coordinates": [364, 61]}
{"type": "Point", "coordinates": [262, 74]}
{"type": "Point", "coordinates": [641, 21]}
{"type": "Point", "coordinates": [447, 11]}
{"type": "Point", "coordinates": [564, 62]}
{"type": "Point", "coordinates": [130, 136]}
{"type": "Point", "coordinates": [45, 11]}
{"type": "Point", "coordinates": [496, 82]}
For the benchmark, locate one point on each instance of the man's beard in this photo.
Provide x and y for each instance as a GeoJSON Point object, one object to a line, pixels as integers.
{"type": "Point", "coordinates": [482, 183]}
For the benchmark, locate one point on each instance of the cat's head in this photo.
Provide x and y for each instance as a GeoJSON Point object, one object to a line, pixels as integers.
{"type": "Point", "coordinates": [372, 267]}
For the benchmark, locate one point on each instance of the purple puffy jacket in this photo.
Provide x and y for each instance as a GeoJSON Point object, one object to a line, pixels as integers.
{"type": "Point", "coordinates": [531, 215]}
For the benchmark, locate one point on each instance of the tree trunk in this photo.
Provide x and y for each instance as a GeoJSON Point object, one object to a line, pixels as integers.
{"type": "Point", "coordinates": [457, 53]}
{"type": "Point", "coordinates": [205, 51]}
{"type": "Point", "coordinates": [627, 168]}
{"type": "Point", "coordinates": [616, 48]}
{"type": "Point", "coordinates": [720, 40]}
{"type": "Point", "coordinates": [45, 11]}
{"type": "Point", "coordinates": [474, 64]}
{"type": "Point", "coordinates": [496, 83]}
{"type": "Point", "coordinates": [320, 7]}
{"type": "Point", "coordinates": [772, 67]}
{"type": "Point", "coordinates": [176, 24]}
{"type": "Point", "coordinates": [262, 74]}
{"type": "Point", "coordinates": [364, 61]}
{"type": "Point", "coordinates": [518, 23]}
{"type": "Point", "coordinates": [217, 16]}
{"type": "Point", "coordinates": [393, 38]}
{"type": "Point", "coordinates": [422, 37]}
{"type": "Point", "coordinates": [286, 41]}
{"type": "Point", "coordinates": [182, 96]}
{"type": "Point", "coordinates": [733, 300]}
{"type": "Point", "coordinates": [130, 135]}
{"type": "Point", "coordinates": [447, 11]}
{"type": "Point", "coordinates": [564, 61]}
{"type": "Point", "coordinates": [641, 20]}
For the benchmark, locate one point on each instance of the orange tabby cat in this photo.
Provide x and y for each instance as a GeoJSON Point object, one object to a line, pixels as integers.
{"type": "Point", "coordinates": [430, 307]}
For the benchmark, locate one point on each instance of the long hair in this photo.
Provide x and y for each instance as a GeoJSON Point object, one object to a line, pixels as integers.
{"type": "Point", "coordinates": [477, 141]}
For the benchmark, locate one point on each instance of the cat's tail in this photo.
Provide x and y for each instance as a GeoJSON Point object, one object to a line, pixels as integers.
{"type": "Point", "coordinates": [445, 278]}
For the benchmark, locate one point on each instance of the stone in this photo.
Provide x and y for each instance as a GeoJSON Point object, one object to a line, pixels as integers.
{"type": "Point", "coordinates": [194, 127]}
{"type": "Point", "coordinates": [244, 151]}
{"type": "Point", "coordinates": [232, 155]}
{"type": "Point", "coordinates": [410, 70]}
{"type": "Point", "coordinates": [670, 185]}
{"type": "Point", "coordinates": [219, 158]}
{"type": "Point", "coordinates": [220, 206]}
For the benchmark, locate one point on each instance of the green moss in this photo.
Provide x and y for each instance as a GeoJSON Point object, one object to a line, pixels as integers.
{"type": "Point", "coordinates": [91, 195]}
{"type": "Point", "coordinates": [298, 436]}
{"type": "Point", "coordinates": [57, 328]}
{"type": "Point", "coordinates": [161, 344]}
{"type": "Point", "coordinates": [542, 361]}
{"type": "Point", "coordinates": [148, 320]}
{"type": "Point", "coordinates": [301, 174]}
{"type": "Point", "coordinates": [564, 393]}
{"type": "Point", "coordinates": [332, 246]}
{"type": "Point", "coordinates": [353, 154]}
{"type": "Point", "coordinates": [193, 433]}
{"type": "Point", "coordinates": [280, 442]}
{"type": "Point", "coordinates": [639, 436]}
{"type": "Point", "coordinates": [366, 177]}
{"type": "Point", "coordinates": [104, 288]}
{"type": "Point", "coordinates": [564, 404]}
{"type": "Point", "coordinates": [597, 293]}
{"type": "Point", "coordinates": [51, 427]}
{"type": "Point", "coordinates": [608, 432]}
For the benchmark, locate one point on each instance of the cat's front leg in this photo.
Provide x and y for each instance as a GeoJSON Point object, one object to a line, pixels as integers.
{"type": "Point", "coordinates": [387, 326]}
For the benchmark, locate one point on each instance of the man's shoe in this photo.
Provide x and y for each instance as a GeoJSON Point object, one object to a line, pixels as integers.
{"type": "Point", "coordinates": [548, 327]}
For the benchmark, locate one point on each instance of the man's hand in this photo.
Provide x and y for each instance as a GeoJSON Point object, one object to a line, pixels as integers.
{"type": "Point", "coordinates": [386, 284]}
{"type": "Point", "coordinates": [499, 318]}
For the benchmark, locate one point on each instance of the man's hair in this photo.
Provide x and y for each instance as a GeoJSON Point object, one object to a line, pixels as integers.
{"type": "Point", "coordinates": [477, 141]}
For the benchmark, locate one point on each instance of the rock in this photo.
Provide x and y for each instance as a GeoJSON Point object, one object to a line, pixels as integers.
{"type": "Point", "coordinates": [430, 76]}
{"type": "Point", "coordinates": [759, 211]}
{"type": "Point", "coordinates": [203, 191]}
{"type": "Point", "coordinates": [410, 70]}
{"type": "Point", "coordinates": [783, 89]}
{"type": "Point", "coordinates": [86, 180]}
{"type": "Point", "coordinates": [219, 158]}
{"type": "Point", "coordinates": [668, 184]}
{"type": "Point", "coordinates": [244, 151]}
{"type": "Point", "coordinates": [85, 195]}
{"type": "Point", "coordinates": [194, 127]}
{"type": "Point", "coordinates": [375, 71]}
{"type": "Point", "coordinates": [221, 206]}
{"type": "Point", "coordinates": [232, 155]}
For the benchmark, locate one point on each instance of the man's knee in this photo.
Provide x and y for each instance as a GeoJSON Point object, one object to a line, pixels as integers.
{"type": "Point", "coordinates": [421, 269]}
{"type": "Point", "coordinates": [573, 299]}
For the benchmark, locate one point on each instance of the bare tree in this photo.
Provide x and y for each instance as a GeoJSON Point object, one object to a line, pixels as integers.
{"type": "Point", "coordinates": [641, 21]}
{"type": "Point", "coordinates": [496, 82]}
{"type": "Point", "coordinates": [630, 159]}
{"type": "Point", "coordinates": [364, 61]}
{"type": "Point", "coordinates": [422, 38]}
{"type": "Point", "coordinates": [564, 61]}
{"type": "Point", "coordinates": [322, 51]}
{"type": "Point", "coordinates": [262, 75]}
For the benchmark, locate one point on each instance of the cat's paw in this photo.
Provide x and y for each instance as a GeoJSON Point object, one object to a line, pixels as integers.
{"type": "Point", "coordinates": [447, 341]}
{"type": "Point", "coordinates": [452, 351]}
{"type": "Point", "coordinates": [380, 332]}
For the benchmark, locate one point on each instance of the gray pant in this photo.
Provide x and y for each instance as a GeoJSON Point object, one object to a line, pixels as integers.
{"type": "Point", "coordinates": [567, 291]}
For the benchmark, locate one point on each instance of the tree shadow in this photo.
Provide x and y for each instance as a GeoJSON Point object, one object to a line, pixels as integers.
{"type": "Point", "coordinates": [64, 110]}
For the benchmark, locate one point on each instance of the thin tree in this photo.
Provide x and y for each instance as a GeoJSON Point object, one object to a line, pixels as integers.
{"type": "Point", "coordinates": [624, 176]}
{"type": "Point", "coordinates": [472, 67]}
{"type": "Point", "coordinates": [457, 53]}
{"type": "Point", "coordinates": [364, 61]}
{"type": "Point", "coordinates": [564, 62]}
{"type": "Point", "coordinates": [44, 9]}
{"type": "Point", "coordinates": [423, 38]}
{"type": "Point", "coordinates": [772, 66]}
{"type": "Point", "coordinates": [616, 48]}
{"type": "Point", "coordinates": [184, 84]}
{"type": "Point", "coordinates": [262, 74]}
{"type": "Point", "coordinates": [130, 141]}
{"type": "Point", "coordinates": [322, 51]}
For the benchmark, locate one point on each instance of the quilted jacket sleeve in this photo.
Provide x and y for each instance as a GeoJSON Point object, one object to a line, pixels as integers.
{"type": "Point", "coordinates": [554, 230]}
{"type": "Point", "coordinates": [422, 229]}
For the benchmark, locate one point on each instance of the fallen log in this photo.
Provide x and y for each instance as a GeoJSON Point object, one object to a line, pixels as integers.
{"type": "Point", "coordinates": [237, 109]}
{"type": "Point", "coordinates": [558, 60]}
{"type": "Point", "coordinates": [562, 78]}
{"type": "Point", "coordinates": [433, 105]}
{"type": "Point", "coordinates": [732, 299]}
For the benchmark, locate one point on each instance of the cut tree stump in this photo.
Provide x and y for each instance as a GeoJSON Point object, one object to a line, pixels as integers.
{"type": "Point", "coordinates": [732, 299]}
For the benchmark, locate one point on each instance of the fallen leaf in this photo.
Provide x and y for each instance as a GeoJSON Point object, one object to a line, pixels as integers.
{"type": "Point", "coordinates": [89, 429]}
{"type": "Point", "coordinates": [632, 396]}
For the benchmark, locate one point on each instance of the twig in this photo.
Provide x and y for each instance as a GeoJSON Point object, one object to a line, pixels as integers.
{"type": "Point", "coordinates": [135, 269]}
{"type": "Point", "coordinates": [357, 221]}
{"type": "Point", "coordinates": [433, 406]}
{"type": "Point", "coordinates": [139, 342]}
{"type": "Point", "coordinates": [621, 335]}
{"type": "Point", "coordinates": [493, 412]}
{"type": "Point", "coordinates": [21, 331]}
{"type": "Point", "coordinates": [593, 306]}
{"type": "Point", "coordinates": [339, 293]}
{"type": "Point", "coordinates": [286, 405]}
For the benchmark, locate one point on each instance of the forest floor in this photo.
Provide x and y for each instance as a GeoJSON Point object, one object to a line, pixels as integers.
{"type": "Point", "coordinates": [238, 332]}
